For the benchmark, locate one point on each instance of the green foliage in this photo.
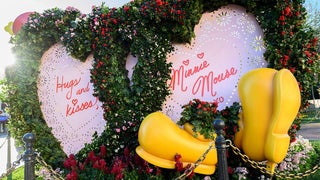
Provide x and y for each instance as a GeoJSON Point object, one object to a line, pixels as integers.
{"type": "Point", "coordinates": [3, 90]}
{"type": "Point", "coordinates": [201, 115]}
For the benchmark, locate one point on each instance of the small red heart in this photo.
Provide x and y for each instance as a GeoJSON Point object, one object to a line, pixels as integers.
{"type": "Point", "coordinates": [186, 62]}
{"type": "Point", "coordinates": [74, 101]}
{"type": "Point", "coordinates": [201, 55]}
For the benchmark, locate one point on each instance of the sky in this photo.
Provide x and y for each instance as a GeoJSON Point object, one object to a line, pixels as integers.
{"type": "Point", "coordinates": [13, 8]}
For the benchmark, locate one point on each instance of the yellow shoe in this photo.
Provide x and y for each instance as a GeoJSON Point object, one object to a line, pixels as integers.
{"type": "Point", "coordinates": [161, 139]}
{"type": "Point", "coordinates": [286, 104]}
{"type": "Point", "coordinates": [255, 92]}
{"type": "Point", "coordinates": [270, 101]}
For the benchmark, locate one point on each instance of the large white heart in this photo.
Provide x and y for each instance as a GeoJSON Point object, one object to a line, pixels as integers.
{"type": "Point", "coordinates": [228, 43]}
{"type": "Point", "coordinates": [67, 103]}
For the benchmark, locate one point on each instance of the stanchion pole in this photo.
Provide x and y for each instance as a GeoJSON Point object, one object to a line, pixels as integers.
{"type": "Point", "coordinates": [9, 177]}
{"type": "Point", "coordinates": [220, 143]}
{"type": "Point", "coordinates": [29, 157]}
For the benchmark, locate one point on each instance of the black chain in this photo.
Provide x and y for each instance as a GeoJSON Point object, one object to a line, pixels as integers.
{"type": "Point", "coordinates": [264, 170]}
{"type": "Point", "coordinates": [52, 172]}
{"type": "Point", "coordinates": [189, 170]}
{"type": "Point", "coordinates": [13, 167]}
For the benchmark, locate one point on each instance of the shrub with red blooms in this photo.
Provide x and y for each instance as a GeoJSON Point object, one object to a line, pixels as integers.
{"type": "Point", "coordinates": [97, 166]}
{"type": "Point", "coordinates": [94, 166]}
{"type": "Point", "coordinates": [127, 166]}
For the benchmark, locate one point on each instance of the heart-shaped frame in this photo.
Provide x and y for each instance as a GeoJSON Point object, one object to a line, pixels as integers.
{"type": "Point", "coordinates": [67, 104]}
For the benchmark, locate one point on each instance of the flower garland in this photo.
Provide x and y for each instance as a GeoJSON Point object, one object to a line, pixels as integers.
{"type": "Point", "coordinates": [146, 29]}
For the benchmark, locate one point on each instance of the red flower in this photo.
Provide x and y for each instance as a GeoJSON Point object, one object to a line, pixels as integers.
{"type": "Point", "coordinates": [282, 18]}
{"type": "Point", "coordinates": [307, 53]}
{"type": "Point", "coordinates": [72, 175]}
{"type": "Point", "coordinates": [308, 45]}
{"type": "Point", "coordinates": [92, 157]}
{"type": "Point", "coordinates": [126, 152]}
{"type": "Point", "coordinates": [159, 3]}
{"type": "Point", "coordinates": [103, 151]}
{"type": "Point", "coordinates": [292, 69]}
{"type": "Point", "coordinates": [103, 33]}
{"type": "Point", "coordinates": [314, 41]}
{"type": "Point", "coordinates": [149, 170]}
{"type": "Point", "coordinates": [117, 166]}
{"type": "Point", "coordinates": [82, 166]}
{"type": "Point", "coordinates": [179, 166]}
{"type": "Point", "coordinates": [93, 46]}
{"type": "Point", "coordinates": [119, 176]}
{"type": "Point", "coordinates": [188, 171]}
{"type": "Point", "coordinates": [230, 170]}
{"type": "Point", "coordinates": [71, 162]}
{"type": "Point", "coordinates": [158, 171]}
{"type": "Point", "coordinates": [291, 33]}
{"type": "Point", "coordinates": [235, 129]}
{"type": "Point", "coordinates": [102, 164]}
{"type": "Point", "coordinates": [177, 157]}
{"type": "Point", "coordinates": [126, 8]}
{"type": "Point", "coordinates": [96, 165]}
{"type": "Point", "coordinates": [294, 126]}
{"type": "Point", "coordinates": [287, 11]}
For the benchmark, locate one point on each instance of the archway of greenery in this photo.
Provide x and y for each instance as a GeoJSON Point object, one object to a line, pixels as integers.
{"type": "Point", "coordinates": [147, 30]}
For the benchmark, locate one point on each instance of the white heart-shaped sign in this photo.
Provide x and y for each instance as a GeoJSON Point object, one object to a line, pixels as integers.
{"type": "Point", "coordinates": [227, 44]}
{"type": "Point", "coordinates": [67, 103]}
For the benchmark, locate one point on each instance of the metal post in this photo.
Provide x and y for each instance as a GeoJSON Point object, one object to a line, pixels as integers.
{"type": "Point", "coordinates": [9, 177]}
{"type": "Point", "coordinates": [29, 157]}
{"type": "Point", "coordinates": [220, 143]}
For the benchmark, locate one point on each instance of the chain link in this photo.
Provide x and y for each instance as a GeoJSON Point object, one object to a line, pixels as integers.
{"type": "Point", "coordinates": [246, 159]}
{"type": "Point", "coordinates": [40, 160]}
{"type": "Point", "coordinates": [13, 167]}
{"type": "Point", "coordinates": [53, 173]}
{"type": "Point", "coordinates": [262, 169]}
{"type": "Point", "coordinates": [298, 175]}
{"type": "Point", "coordinates": [190, 169]}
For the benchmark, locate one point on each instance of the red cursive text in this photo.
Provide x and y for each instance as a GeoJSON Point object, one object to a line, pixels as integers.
{"type": "Point", "coordinates": [207, 82]}
{"type": "Point", "coordinates": [60, 86]}
{"type": "Point", "coordinates": [178, 75]}
{"type": "Point", "coordinates": [75, 107]}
